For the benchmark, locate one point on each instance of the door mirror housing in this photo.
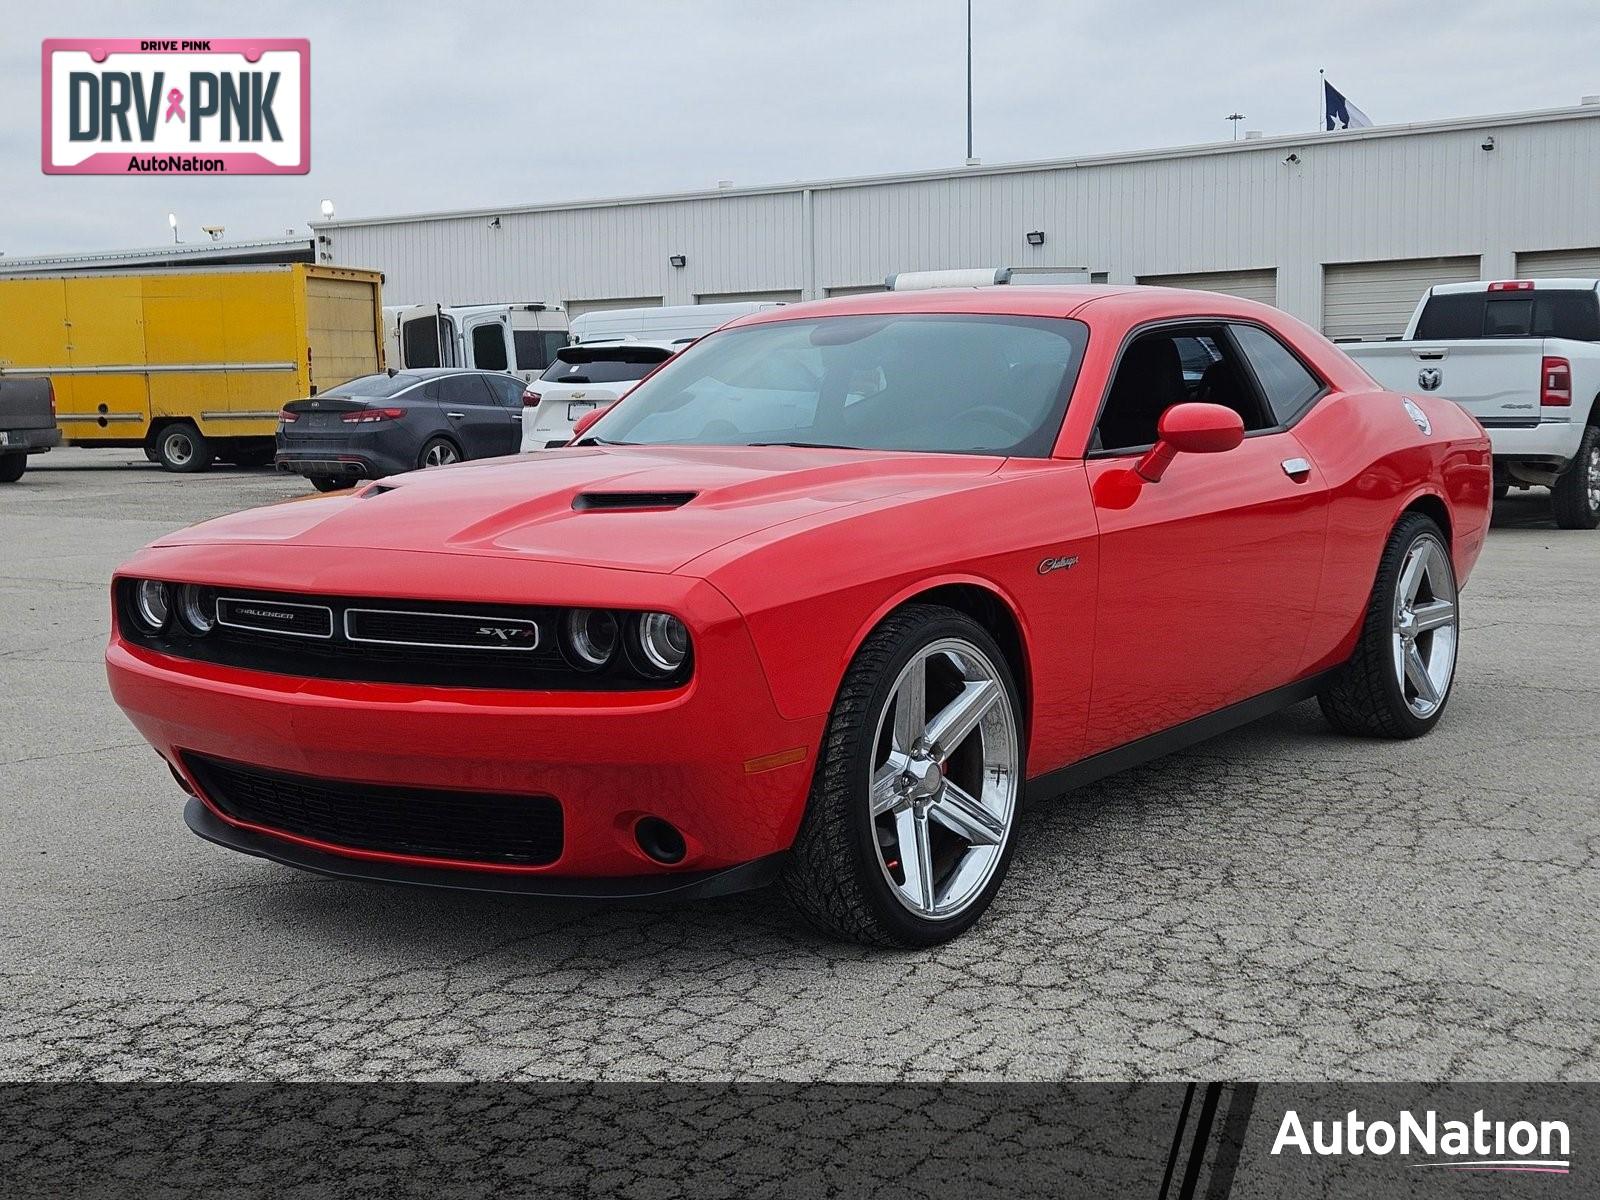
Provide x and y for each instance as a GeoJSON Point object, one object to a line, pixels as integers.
{"type": "Point", "coordinates": [583, 423]}
{"type": "Point", "coordinates": [1191, 428]}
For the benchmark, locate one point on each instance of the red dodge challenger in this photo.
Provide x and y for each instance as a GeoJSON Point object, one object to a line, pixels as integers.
{"type": "Point", "coordinates": [820, 602]}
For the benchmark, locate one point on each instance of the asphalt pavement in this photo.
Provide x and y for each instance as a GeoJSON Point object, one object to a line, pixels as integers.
{"type": "Point", "coordinates": [1281, 903]}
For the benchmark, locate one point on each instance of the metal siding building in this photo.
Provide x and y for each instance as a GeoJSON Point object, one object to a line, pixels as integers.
{"type": "Point", "coordinates": [1342, 229]}
{"type": "Point", "coordinates": [188, 254]}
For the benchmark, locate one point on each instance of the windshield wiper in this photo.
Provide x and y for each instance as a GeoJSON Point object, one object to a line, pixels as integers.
{"type": "Point", "coordinates": [806, 445]}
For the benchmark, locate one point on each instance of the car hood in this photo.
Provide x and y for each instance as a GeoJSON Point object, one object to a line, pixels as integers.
{"type": "Point", "coordinates": [551, 505]}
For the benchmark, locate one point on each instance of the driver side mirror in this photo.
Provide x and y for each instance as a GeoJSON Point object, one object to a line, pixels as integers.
{"type": "Point", "coordinates": [582, 424]}
{"type": "Point", "coordinates": [1190, 428]}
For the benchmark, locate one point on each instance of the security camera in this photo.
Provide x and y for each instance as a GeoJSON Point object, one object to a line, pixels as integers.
{"type": "Point", "coordinates": [1488, 142]}
{"type": "Point", "coordinates": [1293, 160]}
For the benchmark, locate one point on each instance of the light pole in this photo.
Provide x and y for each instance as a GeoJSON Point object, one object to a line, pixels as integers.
{"type": "Point", "coordinates": [1235, 118]}
{"type": "Point", "coordinates": [969, 82]}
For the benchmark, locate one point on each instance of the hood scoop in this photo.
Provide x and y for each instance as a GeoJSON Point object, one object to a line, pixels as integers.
{"type": "Point", "coordinates": [630, 501]}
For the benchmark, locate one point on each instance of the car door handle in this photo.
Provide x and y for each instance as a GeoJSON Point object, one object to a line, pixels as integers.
{"type": "Point", "coordinates": [1297, 469]}
{"type": "Point", "coordinates": [456, 416]}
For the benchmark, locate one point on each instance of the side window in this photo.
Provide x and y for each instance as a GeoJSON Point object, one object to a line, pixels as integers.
{"type": "Point", "coordinates": [419, 339]}
{"type": "Point", "coordinates": [532, 352]}
{"type": "Point", "coordinates": [1289, 386]}
{"type": "Point", "coordinates": [506, 389]}
{"type": "Point", "coordinates": [1167, 367]}
{"type": "Point", "coordinates": [489, 347]}
{"type": "Point", "coordinates": [464, 389]}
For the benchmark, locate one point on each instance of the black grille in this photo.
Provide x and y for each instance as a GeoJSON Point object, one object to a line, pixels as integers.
{"type": "Point", "coordinates": [514, 647]}
{"type": "Point", "coordinates": [387, 626]}
{"type": "Point", "coordinates": [275, 616]}
{"type": "Point", "coordinates": [425, 822]}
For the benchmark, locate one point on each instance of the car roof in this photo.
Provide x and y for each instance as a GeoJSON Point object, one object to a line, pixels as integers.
{"type": "Point", "coordinates": [1058, 300]}
{"type": "Point", "coordinates": [1109, 301]}
{"type": "Point", "coordinates": [674, 344]}
{"type": "Point", "coordinates": [432, 372]}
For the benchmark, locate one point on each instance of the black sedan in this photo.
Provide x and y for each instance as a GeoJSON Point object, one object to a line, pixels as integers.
{"type": "Point", "coordinates": [399, 421]}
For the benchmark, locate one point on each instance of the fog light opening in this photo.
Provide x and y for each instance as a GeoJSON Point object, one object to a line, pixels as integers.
{"type": "Point", "coordinates": [660, 841]}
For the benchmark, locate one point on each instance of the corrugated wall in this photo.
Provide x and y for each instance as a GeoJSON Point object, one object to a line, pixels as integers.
{"type": "Point", "coordinates": [732, 243]}
{"type": "Point", "coordinates": [1423, 194]}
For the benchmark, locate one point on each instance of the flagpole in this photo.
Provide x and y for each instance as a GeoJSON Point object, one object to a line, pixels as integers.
{"type": "Point", "coordinates": [1322, 100]}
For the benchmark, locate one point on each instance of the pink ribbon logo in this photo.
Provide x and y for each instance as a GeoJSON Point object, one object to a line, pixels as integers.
{"type": "Point", "coordinates": [175, 105]}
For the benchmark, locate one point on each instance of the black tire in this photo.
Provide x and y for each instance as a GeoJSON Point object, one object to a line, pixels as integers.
{"type": "Point", "coordinates": [437, 446]}
{"type": "Point", "coordinates": [1502, 490]}
{"type": "Point", "coordinates": [182, 448]}
{"type": "Point", "coordinates": [1573, 499]}
{"type": "Point", "coordinates": [1365, 698]}
{"type": "Point", "coordinates": [12, 466]}
{"type": "Point", "coordinates": [833, 875]}
{"type": "Point", "coordinates": [325, 483]}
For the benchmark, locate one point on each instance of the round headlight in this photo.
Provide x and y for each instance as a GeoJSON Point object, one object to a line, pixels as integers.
{"type": "Point", "coordinates": [663, 642]}
{"type": "Point", "coordinates": [151, 603]}
{"type": "Point", "coordinates": [197, 607]}
{"type": "Point", "coordinates": [591, 637]}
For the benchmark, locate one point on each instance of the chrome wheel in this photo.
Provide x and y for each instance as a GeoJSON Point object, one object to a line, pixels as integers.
{"type": "Point", "coordinates": [440, 454]}
{"type": "Point", "coordinates": [1425, 626]}
{"type": "Point", "coordinates": [944, 778]}
{"type": "Point", "coordinates": [1594, 479]}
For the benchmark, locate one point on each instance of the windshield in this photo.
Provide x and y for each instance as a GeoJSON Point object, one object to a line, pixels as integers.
{"type": "Point", "coordinates": [604, 364]}
{"type": "Point", "coordinates": [940, 383]}
{"type": "Point", "coordinates": [375, 385]}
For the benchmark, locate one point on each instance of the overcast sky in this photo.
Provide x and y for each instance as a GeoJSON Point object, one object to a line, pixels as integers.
{"type": "Point", "coordinates": [437, 105]}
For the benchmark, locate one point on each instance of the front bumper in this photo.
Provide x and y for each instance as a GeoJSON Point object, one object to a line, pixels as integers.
{"type": "Point", "coordinates": [678, 885]}
{"type": "Point", "coordinates": [714, 758]}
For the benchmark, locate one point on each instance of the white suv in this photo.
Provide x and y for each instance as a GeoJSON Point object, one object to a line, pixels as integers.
{"type": "Point", "coordinates": [581, 379]}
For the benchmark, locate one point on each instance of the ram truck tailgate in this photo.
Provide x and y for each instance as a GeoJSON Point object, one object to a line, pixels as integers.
{"type": "Point", "coordinates": [1497, 381]}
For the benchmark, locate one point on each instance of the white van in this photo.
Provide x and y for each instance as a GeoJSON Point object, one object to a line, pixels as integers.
{"type": "Point", "coordinates": [674, 323]}
{"type": "Point", "coordinates": [519, 338]}
{"type": "Point", "coordinates": [917, 281]}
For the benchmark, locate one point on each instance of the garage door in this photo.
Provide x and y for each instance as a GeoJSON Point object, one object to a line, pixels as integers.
{"type": "Point", "coordinates": [748, 297]}
{"type": "Point", "coordinates": [1559, 264]}
{"type": "Point", "coordinates": [1373, 300]}
{"type": "Point", "coordinates": [856, 289]}
{"type": "Point", "coordinates": [1248, 285]}
{"type": "Point", "coordinates": [577, 308]}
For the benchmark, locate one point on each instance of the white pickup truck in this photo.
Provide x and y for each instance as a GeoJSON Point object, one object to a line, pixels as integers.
{"type": "Point", "coordinates": [1523, 357]}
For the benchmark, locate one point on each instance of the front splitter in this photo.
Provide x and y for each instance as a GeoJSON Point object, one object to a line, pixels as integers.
{"type": "Point", "coordinates": [687, 885]}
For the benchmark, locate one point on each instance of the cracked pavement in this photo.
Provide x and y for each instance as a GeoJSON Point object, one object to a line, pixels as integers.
{"type": "Point", "coordinates": [1279, 904]}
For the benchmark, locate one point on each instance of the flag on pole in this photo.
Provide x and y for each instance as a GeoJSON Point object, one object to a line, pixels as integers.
{"type": "Point", "coordinates": [1339, 112]}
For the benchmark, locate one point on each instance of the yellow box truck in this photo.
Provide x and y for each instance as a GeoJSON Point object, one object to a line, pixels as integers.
{"type": "Point", "coordinates": [191, 364]}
